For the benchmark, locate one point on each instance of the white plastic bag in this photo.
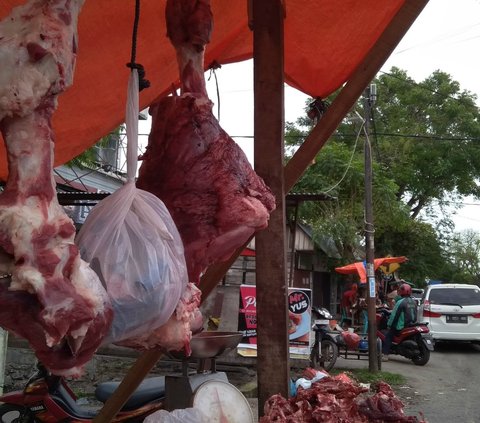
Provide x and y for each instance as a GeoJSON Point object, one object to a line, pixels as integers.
{"type": "Point", "coordinates": [132, 243]}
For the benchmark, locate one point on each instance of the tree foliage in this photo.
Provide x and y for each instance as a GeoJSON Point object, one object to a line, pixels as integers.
{"type": "Point", "coordinates": [464, 250]}
{"type": "Point", "coordinates": [90, 158]}
{"type": "Point", "coordinates": [428, 138]}
{"type": "Point", "coordinates": [426, 153]}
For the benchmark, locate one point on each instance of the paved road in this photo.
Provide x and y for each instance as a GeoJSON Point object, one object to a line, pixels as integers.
{"type": "Point", "coordinates": [446, 389]}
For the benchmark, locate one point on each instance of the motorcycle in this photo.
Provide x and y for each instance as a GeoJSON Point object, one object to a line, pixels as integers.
{"type": "Point", "coordinates": [413, 342]}
{"type": "Point", "coordinates": [48, 398]}
{"type": "Point", "coordinates": [324, 351]}
{"type": "Point", "coordinates": [330, 344]}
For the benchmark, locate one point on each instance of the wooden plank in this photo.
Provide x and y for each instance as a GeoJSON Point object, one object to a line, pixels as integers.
{"type": "Point", "coordinates": [130, 382]}
{"type": "Point", "coordinates": [270, 245]}
{"type": "Point", "coordinates": [345, 100]}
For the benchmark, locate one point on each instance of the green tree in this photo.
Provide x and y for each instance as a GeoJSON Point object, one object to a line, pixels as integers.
{"type": "Point", "coordinates": [426, 153]}
{"type": "Point", "coordinates": [428, 137]}
{"type": "Point", "coordinates": [464, 250]}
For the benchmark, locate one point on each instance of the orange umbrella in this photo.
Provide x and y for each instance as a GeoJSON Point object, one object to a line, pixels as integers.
{"type": "Point", "coordinates": [359, 266]}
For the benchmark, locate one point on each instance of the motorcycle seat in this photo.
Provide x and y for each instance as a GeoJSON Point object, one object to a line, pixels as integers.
{"type": "Point", "coordinates": [149, 390]}
{"type": "Point", "coordinates": [64, 399]}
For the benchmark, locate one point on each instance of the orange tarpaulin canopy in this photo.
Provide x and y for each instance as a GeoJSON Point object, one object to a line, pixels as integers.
{"type": "Point", "coordinates": [359, 266]}
{"type": "Point", "coordinates": [325, 40]}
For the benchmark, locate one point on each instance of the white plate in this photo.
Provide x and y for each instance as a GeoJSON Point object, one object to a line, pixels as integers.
{"type": "Point", "coordinates": [303, 328]}
{"type": "Point", "coordinates": [221, 402]}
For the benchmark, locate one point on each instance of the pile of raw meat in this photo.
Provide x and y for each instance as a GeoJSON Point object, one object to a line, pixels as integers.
{"type": "Point", "coordinates": [215, 198]}
{"type": "Point", "coordinates": [337, 399]}
{"type": "Point", "coordinates": [52, 298]}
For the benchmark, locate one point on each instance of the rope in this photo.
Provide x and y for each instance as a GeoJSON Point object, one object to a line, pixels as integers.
{"type": "Point", "coordinates": [142, 82]}
{"type": "Point", "coordinates": [213, 66]}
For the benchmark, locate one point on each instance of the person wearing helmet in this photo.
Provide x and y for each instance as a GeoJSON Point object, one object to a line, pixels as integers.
{"type": "Point", "coordinates": [403, 314]}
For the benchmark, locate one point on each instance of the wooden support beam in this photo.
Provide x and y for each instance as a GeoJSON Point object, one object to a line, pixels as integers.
{"type": "Point", "coordinates": [270, 245]}
{"type": "Point", "coordinates": [217, 271]}
{"type": "Point", "coordinates": [364, 73]}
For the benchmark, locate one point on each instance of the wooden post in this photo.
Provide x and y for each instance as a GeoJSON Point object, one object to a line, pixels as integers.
{"type": "Point", "coordinates": [270, 246]}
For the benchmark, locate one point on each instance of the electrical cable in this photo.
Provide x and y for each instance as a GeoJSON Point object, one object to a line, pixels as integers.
{"type": "Point", "coordinates": [439, 39]}
{"type": "Point", "coordinates": [377, 145]}
{"type": "Point", "coordinates": [367, 225]}
{"type": "Point", "coordinates": [326, 191]}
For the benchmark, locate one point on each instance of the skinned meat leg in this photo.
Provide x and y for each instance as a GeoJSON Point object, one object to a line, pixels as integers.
{"type": "Point", "coordinates": [215, 198]}
{"type": "Point", "coordinates": [53, 298]}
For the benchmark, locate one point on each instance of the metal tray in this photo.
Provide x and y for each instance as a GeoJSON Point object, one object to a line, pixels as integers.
{"type": "Point", "coordinates": [210, 344]}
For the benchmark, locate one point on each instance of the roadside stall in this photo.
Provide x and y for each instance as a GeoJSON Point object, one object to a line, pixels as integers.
{"type": "Point", "coordinates": [357, 313]}
{"type": "Point", "coordinates": [42, 56]}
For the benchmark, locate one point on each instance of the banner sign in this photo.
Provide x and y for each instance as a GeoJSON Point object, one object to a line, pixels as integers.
{"type": "Point", "coordinates": [247, 317]}
{"type": "Point", "coordinates": [299, 311]}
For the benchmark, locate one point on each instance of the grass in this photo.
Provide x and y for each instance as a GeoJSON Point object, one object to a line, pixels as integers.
{"type": "Point", "coordinates": [365, 376]}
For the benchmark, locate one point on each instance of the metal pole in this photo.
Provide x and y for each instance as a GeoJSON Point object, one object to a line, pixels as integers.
{"type": "Point", "coordinates": [293, 235]}
{"type": "Point", "coordinates": [3, 357]}
{"type": "Point", "coordinates": [369, 236]}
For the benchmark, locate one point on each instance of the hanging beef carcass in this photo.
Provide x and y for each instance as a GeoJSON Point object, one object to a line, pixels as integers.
{"type": "Point", "coordinates": [53, 299]}
{"type": "Point", "coordinates": [216, 199]}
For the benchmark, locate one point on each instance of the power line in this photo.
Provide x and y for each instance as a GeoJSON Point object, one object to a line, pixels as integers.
{"type": "Point", "coordinates": [459, 203]}
{"type": "Point", "coordinates": [418, 136]}
{"type": "Point", "coordinates": [432, 137]}
{"type": "Point", "coordinates": [444, 37]}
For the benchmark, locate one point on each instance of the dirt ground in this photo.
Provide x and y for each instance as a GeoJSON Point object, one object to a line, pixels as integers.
{"type": "Point", "coordinates": [21, 365]}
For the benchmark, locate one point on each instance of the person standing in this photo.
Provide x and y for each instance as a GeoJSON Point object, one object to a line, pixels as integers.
{"type": "Point", "coordinates": [404, 314]}
{"type": "Point", "coordinates": [362, 309]}
{"type": "Point", "coordinates": [349, 300]}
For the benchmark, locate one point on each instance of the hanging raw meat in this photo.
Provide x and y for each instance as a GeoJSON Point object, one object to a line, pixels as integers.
{"type": "Point", "coordinates": [216, 199]}
{"type": "Point", "coordinates": [53, 299]}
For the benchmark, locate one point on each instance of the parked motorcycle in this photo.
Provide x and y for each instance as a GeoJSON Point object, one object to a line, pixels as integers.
{"type": "Point", "coordinates": [324, 351]}
{"type": "Point", "coordinates": [330, 344]}
{"type": "Point", "coordinates": [48, 398]}
{"type": "Point", "coordinates": [414, 342]}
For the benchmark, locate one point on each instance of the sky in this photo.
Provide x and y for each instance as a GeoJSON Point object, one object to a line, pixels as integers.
{"type": "Point", "coordinates": [445, 36]}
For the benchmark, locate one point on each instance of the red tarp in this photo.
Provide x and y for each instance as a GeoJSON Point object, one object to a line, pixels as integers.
{"type": "Point", "coordinates": [325, 40]}
{"type": "Point", "coordinates": [359, 266]}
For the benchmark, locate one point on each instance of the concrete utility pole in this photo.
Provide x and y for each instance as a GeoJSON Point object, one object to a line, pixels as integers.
{"type": "Point", "coordinates": [369, 99]}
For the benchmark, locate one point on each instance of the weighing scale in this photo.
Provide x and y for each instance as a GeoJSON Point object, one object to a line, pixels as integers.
{"type": "Point", "coordinates": [204, 387]}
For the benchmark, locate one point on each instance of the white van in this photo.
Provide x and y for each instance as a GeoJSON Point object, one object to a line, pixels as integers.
{"type": "Point", "coordinates": [452, 311]}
